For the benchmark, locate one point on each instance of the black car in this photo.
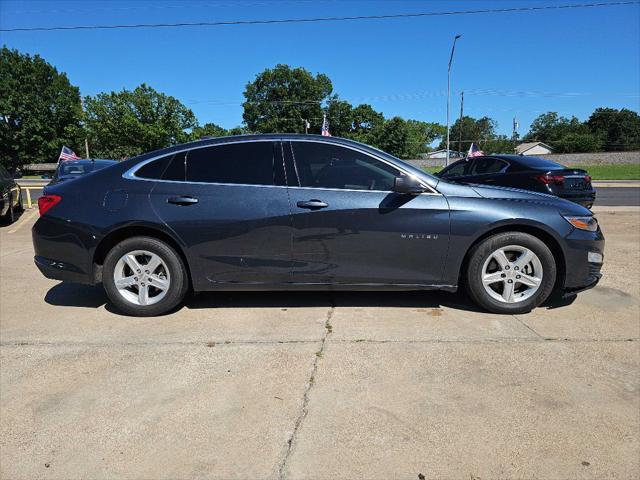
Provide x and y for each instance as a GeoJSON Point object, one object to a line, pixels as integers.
{"type": "Point", "coordinates": [306, 212]}
{"type": "Point", "coordinates": [10, 197]}
{"type": "Point", "coordinates": [70, 169]}
{"type": "Point", "coordinates": [530, 173]}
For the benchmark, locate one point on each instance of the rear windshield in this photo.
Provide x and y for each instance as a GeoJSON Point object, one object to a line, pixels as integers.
{"type": "Point", "coordinates": [538, 163]}
{"type": "Point", "coordinates": [81, 168]}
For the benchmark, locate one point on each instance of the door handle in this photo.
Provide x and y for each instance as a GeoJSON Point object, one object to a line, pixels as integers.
{"type": "Point", "coordinates": [312, 204]}
{"type": "Point", "coordinates": [183, 200]}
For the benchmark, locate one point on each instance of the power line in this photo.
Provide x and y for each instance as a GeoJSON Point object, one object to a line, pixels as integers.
{"type": "Point", "coordinates": [319, 19]}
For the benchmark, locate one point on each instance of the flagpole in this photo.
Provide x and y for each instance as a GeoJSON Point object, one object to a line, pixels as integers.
{"type": "Point", "coordinates": [449, 91]}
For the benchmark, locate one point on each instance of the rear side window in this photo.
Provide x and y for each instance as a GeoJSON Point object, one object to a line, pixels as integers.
{"type": "Point", "coordinates": [323, 165]}
{"type": "Point", "coordinates": [487, 165]}
{"type": "Point", "coordinates": [170, 167]}
{"type": "Point", "coordinates": [3, 173]}
{"type": "Point", "coordinates": [459, 168]}
{"type": "Point", "coordinates": [247, 163]}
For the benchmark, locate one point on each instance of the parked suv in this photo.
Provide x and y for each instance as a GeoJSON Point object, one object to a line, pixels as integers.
{"type": "Point", "coordinates": [306, 212]}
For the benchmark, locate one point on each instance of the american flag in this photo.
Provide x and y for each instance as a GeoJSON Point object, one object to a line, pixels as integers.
{"type": "Point", "coordinates": [474, 151]}
{"type": "Point", "coordinates": [67, 154]}
{"type": "Point", "coordinates": [325, 127]}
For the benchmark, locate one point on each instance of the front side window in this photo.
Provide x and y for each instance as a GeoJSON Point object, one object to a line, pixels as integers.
{"type": "Point", "coordinates": [321, 165]}
{"type": "Point", "coordinates": [247, 163]}
{"type": "Point", "coordinates": [3, 173]}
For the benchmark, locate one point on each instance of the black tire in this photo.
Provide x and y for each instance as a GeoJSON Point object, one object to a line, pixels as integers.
{"type": "Point", "coordinates": [484, 249]}
{"type": "Point", "coordinates": [178, 285]}
{"type": "Point", "coordinates": [20, 204]}
{"type": "Point", "coordinates": [10, 216]}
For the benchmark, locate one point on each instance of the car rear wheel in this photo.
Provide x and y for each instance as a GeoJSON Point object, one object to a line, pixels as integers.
{"type": "Point", "coordinates": [511, 272]}
{"type": "Point", "coordinates": [144, 276]}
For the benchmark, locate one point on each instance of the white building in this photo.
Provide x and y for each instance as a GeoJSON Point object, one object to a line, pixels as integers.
{"type": "Point", "coordinates": [533, 148]}
{"type": "Point", "coordinates": [443, 154]}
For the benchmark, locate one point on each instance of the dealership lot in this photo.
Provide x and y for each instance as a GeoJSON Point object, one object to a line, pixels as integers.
{"type": "Point", "coordinates": [319, 385]}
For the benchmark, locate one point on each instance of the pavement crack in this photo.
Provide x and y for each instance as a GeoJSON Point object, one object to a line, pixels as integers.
{"type": "Point", "coordinates": [304, 409]}
{"type": "Point", "coordinates": [525, 325]}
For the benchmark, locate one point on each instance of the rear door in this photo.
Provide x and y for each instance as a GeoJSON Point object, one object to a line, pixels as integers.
{"type": "Point", "coordinates": [350, 228]}
{"type": "Point", "coordinates": [225, 204]}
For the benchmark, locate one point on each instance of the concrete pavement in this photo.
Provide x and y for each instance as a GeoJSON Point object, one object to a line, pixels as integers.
{"type": "Point", "coordinates": [319, 385]}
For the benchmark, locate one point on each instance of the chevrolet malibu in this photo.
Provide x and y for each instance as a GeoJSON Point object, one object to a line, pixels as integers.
{"type": "Point", "coordinates": [305, 212]}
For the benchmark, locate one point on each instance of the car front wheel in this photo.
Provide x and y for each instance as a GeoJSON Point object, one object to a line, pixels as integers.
{"type": "Point", "coordinates": [144, 276]}
{"type": "Point", "coordinates": [511, 272]}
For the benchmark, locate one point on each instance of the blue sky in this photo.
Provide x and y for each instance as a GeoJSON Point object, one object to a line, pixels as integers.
{"type": "Point", "coordinates": [509, 64]}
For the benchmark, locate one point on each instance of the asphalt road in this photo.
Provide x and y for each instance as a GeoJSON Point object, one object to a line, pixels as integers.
{"type": "Point", "coordinates": [618, 196]}
{"type": "Point", "coordinates": [295, 385]}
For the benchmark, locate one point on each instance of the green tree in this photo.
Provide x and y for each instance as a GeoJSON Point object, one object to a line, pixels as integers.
{"type": "Point", "coordinates": [421, 135]}
{"type": "Point", "coordinates": [208, 130]}
{"type": "Point", "coordinates": [282, 98]}
{"type": "Point", "coordinates": [129, 122]}
{"type": "Point", "coordinates": [473, 130]}
{"type": "Point", "coordinates": [551, 127]}
{"type": "Point", "coordinates": [340, 117]}
{"type": "Point", "coordinates": [577, 142]}
{"type": "Point", "coordinates": [365, 120]}
{"type": "Point", "coordinates": [500, 144]}
{"type": "Point", "coordinates": [392, 136]}
{"type": "Point", "coordinates": [39, 110]}
{"type": "Point", "coordinates": [616, 129]}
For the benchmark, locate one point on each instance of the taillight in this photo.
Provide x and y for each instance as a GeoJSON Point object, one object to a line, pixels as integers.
{"type": "Point", "coordinates": [551, 179]}
{"type": "Point", "coordinates": [587, 178]}
{"type": "Point", "coordinates": [46, 202]}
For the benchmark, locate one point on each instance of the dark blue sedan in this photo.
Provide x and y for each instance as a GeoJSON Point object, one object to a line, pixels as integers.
{"type": "Point", "coordinates": [305, 212]}
{"type": "Point", "coordinates": [529, 173]}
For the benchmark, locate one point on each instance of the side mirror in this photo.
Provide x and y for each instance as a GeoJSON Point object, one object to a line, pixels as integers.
{"type": "Point", "coordinates": [407, 184]}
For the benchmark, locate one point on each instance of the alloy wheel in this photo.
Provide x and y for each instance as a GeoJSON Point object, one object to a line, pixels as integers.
{"type": "Point", "coordinates": [141, 277]}
{"type": "Point", "coordinates": [512, 274]}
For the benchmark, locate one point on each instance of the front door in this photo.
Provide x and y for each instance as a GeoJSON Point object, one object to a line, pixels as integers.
{"type": "Point", "coordinates": [224, 204]}
{"type": "Point", "coordinates": [350, 228]}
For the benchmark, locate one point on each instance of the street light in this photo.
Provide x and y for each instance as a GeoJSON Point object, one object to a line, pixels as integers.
{"type": "Point", "coordinates": [453, 48]}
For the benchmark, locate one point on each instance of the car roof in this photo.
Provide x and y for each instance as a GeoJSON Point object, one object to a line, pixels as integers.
{"type": "Point", "coordinates": [528, 161]}
{"type": "Point", "coordinates": [284, 136]}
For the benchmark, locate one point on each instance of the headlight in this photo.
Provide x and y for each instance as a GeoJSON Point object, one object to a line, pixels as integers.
{"type": "Point", "coordinates": [583, 223]}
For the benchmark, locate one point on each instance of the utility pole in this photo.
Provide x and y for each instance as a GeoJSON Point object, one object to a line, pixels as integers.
{"type": "Point", "coordinates": [449, 90]}
{"type": "Point", "coordinates": [306, 126]}
{"type": "Point", "coordinates": [86, 147]}
{"type": "Point", "coordinates": [460, 122]}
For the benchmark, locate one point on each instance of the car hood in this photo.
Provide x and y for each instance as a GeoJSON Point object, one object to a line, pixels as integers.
{"type": "Point", "coordinates": [506, 193]}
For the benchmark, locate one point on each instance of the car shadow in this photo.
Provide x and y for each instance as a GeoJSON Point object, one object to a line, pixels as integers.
{"type": "Point", "coordinates": [76, 295]}
{"type": "Point", "coordinates": [398, 299]}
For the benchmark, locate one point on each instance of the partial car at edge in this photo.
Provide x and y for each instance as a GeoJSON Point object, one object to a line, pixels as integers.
{"type": "Point", "coordinates": [72, 169]}
{"type": "Point", "coordinates": [10, 197]}
{"type": "Point", "coordinates": [306, 212]}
